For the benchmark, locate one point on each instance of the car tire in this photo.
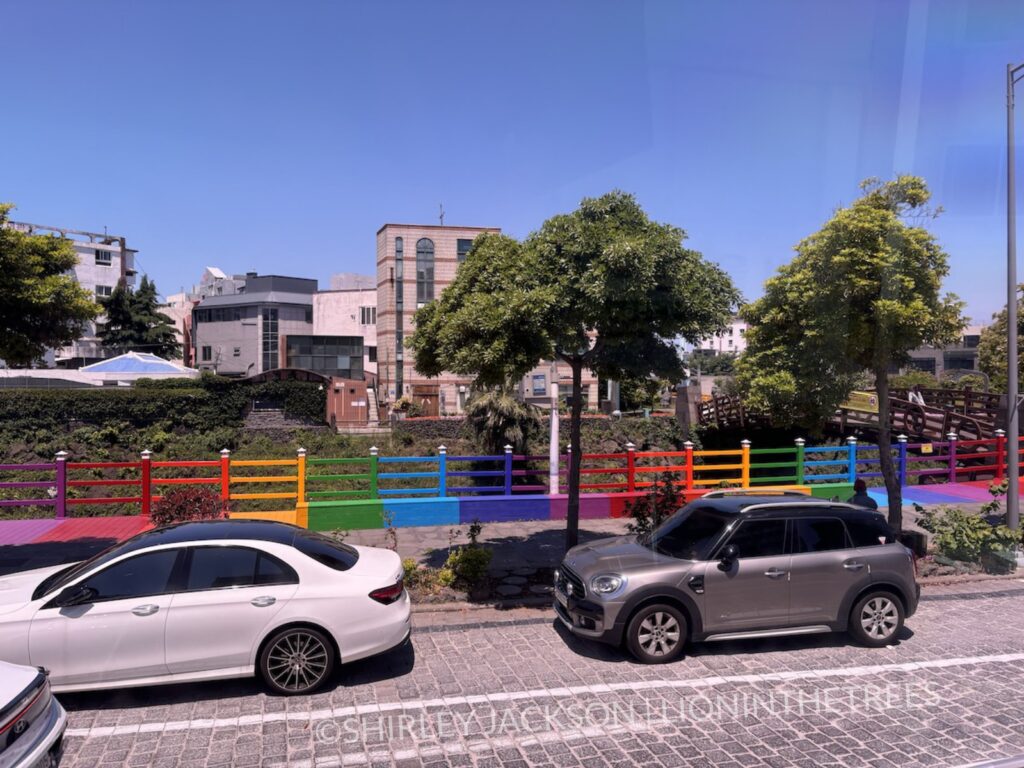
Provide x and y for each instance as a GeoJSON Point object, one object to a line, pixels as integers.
{"type": "Point", "coordinates": [876, 619]}
{"type": "Point", "coordinates": [296, 661]}
{"type": "Point", "coordinates": [656, 634]}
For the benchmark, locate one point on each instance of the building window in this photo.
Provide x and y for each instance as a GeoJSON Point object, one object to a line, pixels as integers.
{"type": "Point", "coordinates": [367, 315]}
{"type": "Point", "coordinates": [207, 354]}
{"type": "Point", "coordinates": [971, 341]}
{"type": "Point", "coordinates": [103, 291]}
{"type": "Point", "coordinates": [104, 258]}
{"type": "Point", "coordinates": [309, 315]}
{"type": "Point", "coordinates": [335, 355]}
{"type": "Point", "coordinates": [236, 352]}
{"type": "Point", "coordinates": [424, 270]}
{"type": "Point", "coordinates": [269, 338]}
{"type": "Point", "coordinates": [371, 354]}
{"type": "Point", "coordinates": [463, 246]}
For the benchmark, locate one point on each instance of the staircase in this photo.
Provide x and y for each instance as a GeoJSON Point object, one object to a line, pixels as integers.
{"type": "Point", "coordinates": [373, 411]}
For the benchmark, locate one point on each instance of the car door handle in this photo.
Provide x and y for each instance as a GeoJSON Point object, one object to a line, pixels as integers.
{"type": "Point", "coordinates": [853, 565]}
{"type": "Point", "coordinates": [774, 573]}
{"type": "Point", "coordinates": [145, 610]}
{"type": "Point", "coordinates": [263, 602]}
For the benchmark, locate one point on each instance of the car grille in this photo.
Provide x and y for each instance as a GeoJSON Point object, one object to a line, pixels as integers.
{"type": "Point", "coordinates": [567, 578]}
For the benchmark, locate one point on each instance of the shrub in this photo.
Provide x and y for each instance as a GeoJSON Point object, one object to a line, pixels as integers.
{"type": "Point", "coordinates": [964, 536]}
{"type": "Point", "coordinates": [659, 504]}
{"type": "Point", "coordinates": [187, 503]}
{"type": "Point", "coordinates": [466, 566]}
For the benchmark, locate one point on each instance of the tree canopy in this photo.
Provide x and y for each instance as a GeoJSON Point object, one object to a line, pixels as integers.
{"type": "Point", "coordinates": [861, 293]}
{"type": "Point", "coordinates": [134, 322]}
{"type": "Point", "coordinates": [603, 288]}
{"type": "Point", "coordinates": [41, 304]}
{"type": "Point", "coordinates": [992, 347]}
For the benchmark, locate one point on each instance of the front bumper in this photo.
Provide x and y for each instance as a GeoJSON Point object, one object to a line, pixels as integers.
{"type": "Point", "coordinates": [586, 618]}
{"type": "Point", "coordinates": [42, 744]}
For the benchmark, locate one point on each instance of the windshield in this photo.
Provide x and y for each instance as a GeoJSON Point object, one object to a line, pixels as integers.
{"type": "Point", "coordinates": [690, 533]}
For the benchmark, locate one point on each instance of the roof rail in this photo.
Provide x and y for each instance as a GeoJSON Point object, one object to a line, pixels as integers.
{"type": "Point", "coordinates": [754, 492]}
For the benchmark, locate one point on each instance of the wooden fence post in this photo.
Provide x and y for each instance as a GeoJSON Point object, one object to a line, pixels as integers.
{"type": "Point", "coordinates": [60, 502]}
{"type": "Point", "coordinates": [373, 473]}
{"type": "Point", "coordinates": [147, 482]}
{"type": "Point", "coordinates": [951, 436]}
{"type": "Point", "coordinates": [744, 464]}
{"type": "Point", "coordinates": [225, 477]}
{"type": "Point", "coordinates": [901, 442]}
{"type": "Point", "coordinates": [688, 447]}
{"type": "Point", "coordinates": [630, 467]}
{"type": "Point", "coordinates": [1000, 455]}
{"type": "Point", "coordinates": [508, 470]}
{"type": "Point", "coordinates": [300, 476]}
{"type": "Point", "coordinates": [851, 459]}
{"type": "Point", "coordinates": [442, 471]}
{"type": "Point", "coordinates": [800, 444]}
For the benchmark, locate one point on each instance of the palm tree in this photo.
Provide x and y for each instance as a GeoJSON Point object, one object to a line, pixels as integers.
{"type": "Point", "coordinates": [499, 418]}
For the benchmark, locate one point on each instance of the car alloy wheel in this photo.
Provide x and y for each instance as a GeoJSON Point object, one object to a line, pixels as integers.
{"type": "Point", "coordinates": [880, 618]}
{"type": "Point", "coordinates": [656, 634]}
{"type": "Point", "coordinates": [297, 661]}
{"type": "Point", "coordinates": [659, 634]}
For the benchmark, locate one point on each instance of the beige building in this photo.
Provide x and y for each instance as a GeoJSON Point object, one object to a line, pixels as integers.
{"type": "Point", "coordinates": [414, 264]}
{"type": "Point", "coordinates": [349, 309]}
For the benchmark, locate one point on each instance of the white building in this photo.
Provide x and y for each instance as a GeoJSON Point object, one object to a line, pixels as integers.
{"type": "Point", "coordinates": [731, 341]}
{"type": "Point", "coordinates": [103, 261]}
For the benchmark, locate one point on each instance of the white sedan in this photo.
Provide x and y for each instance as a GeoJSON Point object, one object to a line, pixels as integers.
{"type": "Point", "coordinates": [204, 601]}
{"type": "Point", "coordinates": [32, 722]}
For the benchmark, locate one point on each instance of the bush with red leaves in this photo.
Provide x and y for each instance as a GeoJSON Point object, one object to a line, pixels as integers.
{"type": "Point", "coordinates": [187, 503]}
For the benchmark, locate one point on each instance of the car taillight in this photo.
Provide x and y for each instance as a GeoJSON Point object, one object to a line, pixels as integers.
{"type": "Point", "coordinates": [25, 709]}
{"type": "Point", "coordinates": [388, 595]}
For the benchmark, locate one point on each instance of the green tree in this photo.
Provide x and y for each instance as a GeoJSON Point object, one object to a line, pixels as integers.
{"type": "Point", "coordinates": [499, 418]}
{"type": "Point", "coordinates": [992, 347]}
{"type": "Point", "coordinates": [135, 323]}
{"type": "Point", "coordinates": [41, 305]}
{"type": "Point", "coordinates": [602, 288]}
{"type": "Point", "coordinates": [859, 295]}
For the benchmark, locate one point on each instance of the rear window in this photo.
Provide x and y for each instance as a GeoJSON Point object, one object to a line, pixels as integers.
{"type": "Point", "coordinates": [869, 531]}
{"type": "Point", "coordinates": [325, 550]}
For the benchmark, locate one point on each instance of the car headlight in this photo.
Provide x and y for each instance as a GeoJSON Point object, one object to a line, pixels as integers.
{"type": "Point", "coordinates": [607, 584]}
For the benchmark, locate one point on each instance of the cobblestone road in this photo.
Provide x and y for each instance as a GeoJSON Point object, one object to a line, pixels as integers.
{"type": "Point", "coordinates": [519, 691]}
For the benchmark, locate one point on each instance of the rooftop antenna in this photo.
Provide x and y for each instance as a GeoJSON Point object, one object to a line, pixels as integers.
{"type": "Point", "coordinates": [441, 206]}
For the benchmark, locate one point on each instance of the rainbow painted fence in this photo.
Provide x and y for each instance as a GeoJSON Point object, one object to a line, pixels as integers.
{"type": "Point", "coordinates": [374, 491]}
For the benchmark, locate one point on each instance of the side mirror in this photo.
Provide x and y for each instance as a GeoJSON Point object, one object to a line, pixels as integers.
{"type": "Point", "coordinates": [76, 595]}
{"type": "Point", "coordinates": [727, 557]}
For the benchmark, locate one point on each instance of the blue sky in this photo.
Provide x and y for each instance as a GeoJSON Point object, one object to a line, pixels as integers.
{"type": "Point", "coordinates": [280, 136]}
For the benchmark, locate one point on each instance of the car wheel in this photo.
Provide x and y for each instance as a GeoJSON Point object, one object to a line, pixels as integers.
{"type": "Point", "coordinates": [656, 634]}
{"type": "Point", "coordinates": [296, 660]}
{"type": "Point", "coordinates": [876, 619]}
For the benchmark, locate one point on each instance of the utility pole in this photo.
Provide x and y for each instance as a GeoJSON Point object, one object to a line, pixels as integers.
{"type": "Point", "coordinates": [1013, 75]}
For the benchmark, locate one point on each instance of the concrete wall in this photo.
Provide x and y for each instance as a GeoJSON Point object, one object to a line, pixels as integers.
{"type": "Point", "coordinates": [338, 313]}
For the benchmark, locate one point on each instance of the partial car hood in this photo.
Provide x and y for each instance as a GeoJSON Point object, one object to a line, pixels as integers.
{"type": "Point", "coordinates": [614, 555]}
{"type": "Point", "coordinates": [14, 679]}
{"type": "Point", "coordinates": [16, 589]}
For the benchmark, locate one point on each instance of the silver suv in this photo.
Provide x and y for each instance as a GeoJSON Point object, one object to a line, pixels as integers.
{"type": "Point", "coordinates": [734, 565]}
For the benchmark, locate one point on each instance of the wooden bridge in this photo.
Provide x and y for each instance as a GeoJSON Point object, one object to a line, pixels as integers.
{"type": "Point", "coordinates": [971, 415]}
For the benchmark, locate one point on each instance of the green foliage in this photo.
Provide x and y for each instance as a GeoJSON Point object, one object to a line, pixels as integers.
{"type": "Point", "coordinates": [41, 305]}
{"type": "Point", "coordinates": [712, 365]}
{"type": "Point", "coordinates": [911, 378]}
{"type": "Point", "coordinates": [860, 294]}
{"type": "Point", "coordinates": [965, 536]}
{"type": "Point", "coordinates": [135, 323]}
{"type": "Point", "coordinates": [662, 501]}
{"type": "Point", "coordinates": [992, 347]}
{"type": "Point", "coordinates": [603, 288]}
{"type": "Point", "coordinates": [498, 418]}
{"type": "Point", "coordinates": [467, 566]}
{"type": "Point", "coordinates": [187, 503]}
{"type": "Point", "coordinates": [408, 406]}
{"type": "Point", "coordinates": [639, 392]}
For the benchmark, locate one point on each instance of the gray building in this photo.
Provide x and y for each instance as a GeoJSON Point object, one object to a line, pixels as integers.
{"type": "Point", "coordinates": [240, 334]}
{"type": "Point", "coordinates": [962, 356]}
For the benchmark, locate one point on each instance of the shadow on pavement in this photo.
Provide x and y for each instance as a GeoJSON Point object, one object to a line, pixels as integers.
{"type": "Point", "coordinates": [42, 554]}
{"type": "Point", "coordinates": [602, 652]}
{"type": "Point", "coordinates": [535, 550]}
{"type": "Point", "coordinates": [391, 664]}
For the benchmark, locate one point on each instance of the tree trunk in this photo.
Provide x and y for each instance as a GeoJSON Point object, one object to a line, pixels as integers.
{"type": "Point", "coordinates": [572, 520]}
{"type": "Point", "coordinates": [889, 472]}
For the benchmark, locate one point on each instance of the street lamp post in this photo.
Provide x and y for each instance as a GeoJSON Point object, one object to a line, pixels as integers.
{"type": "Point", "coordinates": [1013, 76]}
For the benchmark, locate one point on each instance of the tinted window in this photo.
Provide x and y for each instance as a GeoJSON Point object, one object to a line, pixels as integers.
{"type": "Point", "coordinates": [270, 570]}
{"type": "Point", "coordinates": [760, 538]}
{"type": "Point", "coordinates": [822, 535]}
{"type": "Point", "coordinates": [690, 533]}
{"type": "Point", "coordinates": [137, 576]}
{"type": "Point", "coordinates": [220, 567]}
{"type": "Point", "coordinates": [331, 553]}
{"type": "Point", "coordinates": [869, 531]}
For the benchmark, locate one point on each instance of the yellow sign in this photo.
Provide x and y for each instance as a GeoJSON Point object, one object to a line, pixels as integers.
{"type": "Point", "coordinates": [926, 448]}
{"type": "Point", "coordinates": [866, 402]}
